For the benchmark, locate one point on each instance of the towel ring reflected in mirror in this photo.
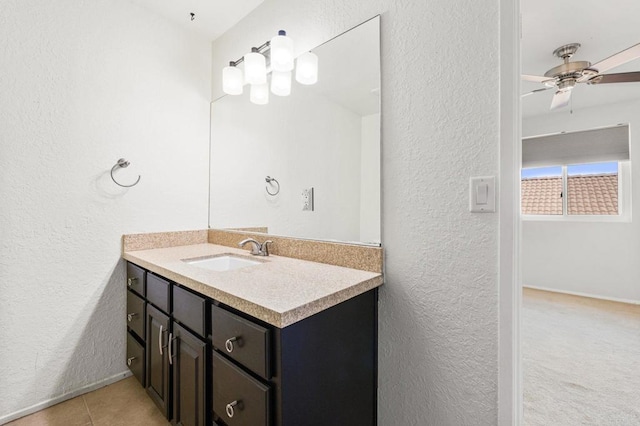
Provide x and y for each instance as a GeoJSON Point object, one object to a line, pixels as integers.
{"type": "Point", "coordinates": [270, 181]}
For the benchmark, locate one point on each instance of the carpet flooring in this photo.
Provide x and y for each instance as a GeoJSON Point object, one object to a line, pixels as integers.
{"type": "Point", "coordinates": [581, 361]}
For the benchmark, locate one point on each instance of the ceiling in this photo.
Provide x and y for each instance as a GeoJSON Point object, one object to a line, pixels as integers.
{"type": "Point", "coordinates": [602, 28]}
{"type": "Point", "coordinates": [212, 17]}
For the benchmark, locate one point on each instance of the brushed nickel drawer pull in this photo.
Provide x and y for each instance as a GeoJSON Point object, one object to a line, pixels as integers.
{"type": "Point", "coordinates": [131, 281]}
{"type": "Point", "coordinates": [130, 360]}
{"type": "Point", "coordinates": [229, 408]}
{"type": "Point", "coordinates": [229, 344]}
{"type": "Point", "coordinates": [130, 316]}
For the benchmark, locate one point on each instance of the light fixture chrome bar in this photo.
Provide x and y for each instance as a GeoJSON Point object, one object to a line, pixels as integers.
{"type": "Point", "coordinates": [263, 48]}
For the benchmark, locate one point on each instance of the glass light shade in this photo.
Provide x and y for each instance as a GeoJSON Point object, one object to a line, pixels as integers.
{"type": "Point", "coordinates": [232, 80]}
{"type": "Point", "coordinates": [259, 94]}
{"type": "Point", "coordinates": [281, 83]}
{"type": "Point", "coordinates": [307, 68]}
{"type": "Point", "coordinates": [255, 68]}
{"type": "Point", "coordinates": [281, 52]}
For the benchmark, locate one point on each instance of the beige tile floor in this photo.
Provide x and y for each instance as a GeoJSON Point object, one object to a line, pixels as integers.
{"type": "Point", "coordinates": [121, 403]}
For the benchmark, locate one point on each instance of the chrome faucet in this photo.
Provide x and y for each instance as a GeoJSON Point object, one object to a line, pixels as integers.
{"type": "Point", "coordinates": [257, 249]}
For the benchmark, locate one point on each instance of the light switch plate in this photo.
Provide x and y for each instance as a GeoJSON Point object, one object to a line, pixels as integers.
{"type": "Point", "coordinates": [307, 199]}
{"type": "Point", "coordinates": [482, 194]}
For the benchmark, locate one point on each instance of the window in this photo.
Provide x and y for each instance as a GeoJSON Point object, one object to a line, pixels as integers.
{"type": "Point", "coordinates": [582, 175]}
{"type": "Point", "coordinates": [592, 189]}
{"type": "Point", "coordinates": [542, 190]}
{"type": "Point", "coordinates": [573, 190]}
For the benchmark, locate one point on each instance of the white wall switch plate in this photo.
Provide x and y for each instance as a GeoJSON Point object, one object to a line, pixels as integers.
{"type": "Point", "coordinates": [482, 194]}
{"type": "Point", "coordinates": [307, 199]}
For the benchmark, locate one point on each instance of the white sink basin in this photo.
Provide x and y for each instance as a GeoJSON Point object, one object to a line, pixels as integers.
{"type": "Point", "coordinates": [221, 263]}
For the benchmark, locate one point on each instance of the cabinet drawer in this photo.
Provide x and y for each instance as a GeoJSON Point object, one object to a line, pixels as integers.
{"type": "Point", "coordinates": [242, 340]}
{"type": "Point", "coordinates": [231, 384]}
{"type": "Point", "coordinates": [189, 309]}
{"type": "Point", "coordinates": [135, 358]}
{"type": "Point", "coordinates": [136, 279]}
{"type": "Point", "coordinates": [135, 314]}
{"type": "Point", "coordinates": [158, 290]}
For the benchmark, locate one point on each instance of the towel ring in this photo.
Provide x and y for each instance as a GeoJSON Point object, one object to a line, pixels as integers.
{"type": "Point", "coordinates": [122, 163]}
{"type": "Point", "coordinates": [270, 180]}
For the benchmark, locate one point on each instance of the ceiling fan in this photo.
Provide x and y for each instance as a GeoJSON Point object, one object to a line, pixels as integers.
{"type": "Point", "coordinates": [564, 77]}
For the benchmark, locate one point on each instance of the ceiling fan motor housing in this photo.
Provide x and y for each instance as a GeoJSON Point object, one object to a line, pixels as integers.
{"type": "Point", "coordinates": [568, 74]}
{"type": "Point", "coordinates": [569, 69]}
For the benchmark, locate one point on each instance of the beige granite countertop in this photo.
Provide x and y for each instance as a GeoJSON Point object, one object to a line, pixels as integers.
{"type": "Point", "coordinates": [279, 291]}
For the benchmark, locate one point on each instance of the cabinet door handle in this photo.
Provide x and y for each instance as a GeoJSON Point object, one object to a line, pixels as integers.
{"type": "Point", "coordinates": [131, 281]}
{"type": "Point", "coordinates": [130, 316]}
{"type": "Point", "coordinates": [170, 344]}
{"type": "Point", "coordinates": [229, 344]}
{"type": "Point", "coordinates": [130, 360]}
{"type": "Point", "coordinates": [160, 339]}
{"type": "Point", "coordinates": [229, 408]}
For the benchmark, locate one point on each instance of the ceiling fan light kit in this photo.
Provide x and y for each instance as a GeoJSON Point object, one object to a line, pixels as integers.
{"type": "Point", "coordinates": [565, 76]}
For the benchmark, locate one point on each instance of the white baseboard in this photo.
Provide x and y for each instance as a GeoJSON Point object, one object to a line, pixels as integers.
{"type": "Point", "coordinates": [58, 399]}
{"type": "Point", "coordinates": [593, 296]}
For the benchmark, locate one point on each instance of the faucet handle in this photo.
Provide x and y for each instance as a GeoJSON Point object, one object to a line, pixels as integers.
{"type": "Point", "coordinates": [265, 247]}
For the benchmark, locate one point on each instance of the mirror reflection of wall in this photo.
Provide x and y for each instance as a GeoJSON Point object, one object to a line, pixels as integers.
{"type": "Point", "coordinates": [325, 137]}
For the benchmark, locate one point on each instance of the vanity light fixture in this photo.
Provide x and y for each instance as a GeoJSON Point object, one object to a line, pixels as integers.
{"type": "Point", "coordinates": [232, 80]}
{"type": "Point", "coordinates": [274, 57]}
{"type": "Point", "coordinates": [255, 67]}
{"type": "Point", "coordinates": [281, 52]}
{"type": "Point", "coordinates": [259, 94]}
{"type": "Point", "coordinates": [307, 68]}
{"type": "Point", "coordinates": [281, 83]}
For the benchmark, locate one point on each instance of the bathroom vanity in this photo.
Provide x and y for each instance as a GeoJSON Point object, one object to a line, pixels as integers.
{"type": "Point", "coordinates": [217, 336]}
{"type": "Point", "coordinates": [279, 342]}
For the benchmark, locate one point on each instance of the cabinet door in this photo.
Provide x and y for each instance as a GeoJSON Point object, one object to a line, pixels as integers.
{"type": "Point", "coordinates": [158, 359]}
{"type": "Point", "coordinates": [189, 376]}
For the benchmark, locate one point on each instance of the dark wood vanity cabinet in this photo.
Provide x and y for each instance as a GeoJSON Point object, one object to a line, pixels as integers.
{"type": "Point", "coordinates": [207, 363]}
{"type": "Point", "coordinates": [319, 371]}
{"type": "Point", "coordinates": [167, 348]}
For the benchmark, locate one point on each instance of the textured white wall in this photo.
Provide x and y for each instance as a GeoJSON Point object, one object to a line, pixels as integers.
{"type": "Point", "coordinates": [595, 258]}
{"type": "Point", "coordinates": [438, 352]}
{"type": "Point", "coordinates": [83, 84]}
{"type": "Point", "coordinates": [280, 140]}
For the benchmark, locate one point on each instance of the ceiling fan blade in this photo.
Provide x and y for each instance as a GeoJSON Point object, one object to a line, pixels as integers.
{"type": "Point", "coordinates": [623, 77]}
{"type": "Point", "coordinates": [618, 59]}
{"type": "Point", "coordinates": [544, 89]}
{"type": "Point", "coordinates": [560, 99]}
{"type": "Point", "coordinates": [535, 78]}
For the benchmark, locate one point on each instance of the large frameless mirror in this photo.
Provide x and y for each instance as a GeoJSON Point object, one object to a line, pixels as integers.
{"type": "Point", "coordinates": [305, 165]}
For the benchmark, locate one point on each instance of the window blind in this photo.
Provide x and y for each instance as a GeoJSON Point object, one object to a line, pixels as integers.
{"type": "Point", "coordinates": [588, 146]}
